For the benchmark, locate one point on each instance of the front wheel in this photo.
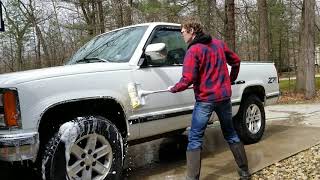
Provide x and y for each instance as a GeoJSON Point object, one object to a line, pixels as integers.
{"type": "Point", "coordinates": [86, 148]}
{"type": "Point", "coordinates": [250, 120]}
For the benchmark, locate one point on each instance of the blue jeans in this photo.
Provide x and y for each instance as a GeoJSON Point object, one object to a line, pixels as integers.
{"type": "Point", "coordinates": [201, 113]}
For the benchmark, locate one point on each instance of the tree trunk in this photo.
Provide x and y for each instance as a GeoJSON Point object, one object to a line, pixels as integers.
{"type": "Point", "coordinates": [230, 24]}
{"type": "Point", "coordinates": [94, 23]}
{"type": "Point", "coordinates": [128, 13]}
{"type": "Point", "coordinates": [44, 45]}
{"type": "Point", "coordinates": [87, 16]}
{"type": "Point", "coordinates": [11, 66]}
{"type": "Point", "coordinates": [263, 31]}
{"type": "Point", "coordinates": [211, 15]}
{"type": "Point", "coordinates": [19, 31]}
{"type": "Point", "coordinates": [119, 13]}
{"type": "Point", "coordinates": [29, 13]}
{"type": "Point", "coordinates": [101, 17]}
{"type": "Point", "coordinates": [38, 63]}
{"type": "Point", "coordinates": [306, 73]}
{"type": "Point", "coordinates": [62, 48]}
{"type": "Point", "coordinates": [19, 53]}
{"type": "Point", "coordinates": [280, 62]}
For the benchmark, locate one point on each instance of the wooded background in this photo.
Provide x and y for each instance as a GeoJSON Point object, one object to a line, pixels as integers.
{"type": "Point", "coordinates": [44, 33]}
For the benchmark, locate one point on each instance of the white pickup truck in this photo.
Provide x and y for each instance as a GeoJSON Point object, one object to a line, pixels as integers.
{"type": "Point", "coordinates": [74, 121]}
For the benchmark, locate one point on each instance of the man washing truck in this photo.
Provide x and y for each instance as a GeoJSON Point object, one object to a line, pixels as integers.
{"type": "Point", "coordinates": [205, 66]}
{"type": "Point", "coordinates": [73, 121]}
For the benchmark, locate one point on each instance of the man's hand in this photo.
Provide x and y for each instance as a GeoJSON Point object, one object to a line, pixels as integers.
{"type": "Point", "coordinates": [169, 88]}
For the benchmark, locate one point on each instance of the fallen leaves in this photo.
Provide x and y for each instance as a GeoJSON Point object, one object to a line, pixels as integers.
{"type": "Point", "coordinates": [297, 98]}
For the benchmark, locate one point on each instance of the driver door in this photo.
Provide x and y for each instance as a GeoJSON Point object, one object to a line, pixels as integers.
{"type": "Point", "coordinates": [164, 111]}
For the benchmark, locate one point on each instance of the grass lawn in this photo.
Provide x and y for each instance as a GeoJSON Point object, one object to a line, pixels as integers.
{"type": "Point", "coordinates": [288, 95]}
{"type": "Point", "coordinates": [286, 85]}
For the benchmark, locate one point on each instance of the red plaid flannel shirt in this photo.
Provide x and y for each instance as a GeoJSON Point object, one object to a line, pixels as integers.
{"type": "Point", "coordinates": [205, 66]}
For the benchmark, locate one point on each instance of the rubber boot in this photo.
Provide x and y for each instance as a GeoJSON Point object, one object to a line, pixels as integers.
{"type": "Point", "coordinates": [193, 164]}
{"type": "Point", "coordinates": [240, 157]}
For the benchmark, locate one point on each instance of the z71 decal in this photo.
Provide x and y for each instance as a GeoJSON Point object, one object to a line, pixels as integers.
{"type": "Point", "coordinates": [272, 80]}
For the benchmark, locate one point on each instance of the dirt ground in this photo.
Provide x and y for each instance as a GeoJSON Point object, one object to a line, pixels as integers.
{"type": "Point", "coordinates": [297, 98]}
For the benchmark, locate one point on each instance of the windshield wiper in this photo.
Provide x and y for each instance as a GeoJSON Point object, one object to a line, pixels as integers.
{"type": "Point", "coordinates": [92, 59]}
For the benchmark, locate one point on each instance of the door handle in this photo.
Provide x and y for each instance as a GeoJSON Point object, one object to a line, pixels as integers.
{"type": "Point", "coordinates": [238, 82]}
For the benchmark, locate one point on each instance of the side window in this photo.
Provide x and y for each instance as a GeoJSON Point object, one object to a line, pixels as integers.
{"type": "Point", "coordinates": [175, 47]}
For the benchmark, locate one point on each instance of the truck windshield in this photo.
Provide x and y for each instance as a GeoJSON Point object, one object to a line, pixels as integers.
{"type": "Point", "coordinates": [116, 46]}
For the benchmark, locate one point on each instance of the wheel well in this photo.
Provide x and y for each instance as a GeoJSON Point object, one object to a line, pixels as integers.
{"type": "Point", "coordinates": [54, 117]}
{"type": "Point", "coordinates": [256, 90]}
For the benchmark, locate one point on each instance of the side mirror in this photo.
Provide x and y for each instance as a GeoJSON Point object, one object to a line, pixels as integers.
{"type": "Point", "coordinates": [1, 19]}
{"type": "Point", "coordinates": [156, 51]}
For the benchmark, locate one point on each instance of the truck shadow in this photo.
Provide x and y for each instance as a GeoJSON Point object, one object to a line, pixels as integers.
{"type": "Point", "coordinates": [169, 154]}
{"type": "Point", "coordinates": [150, 158]}
{"type": "Point", "coordinates": [17, 171]}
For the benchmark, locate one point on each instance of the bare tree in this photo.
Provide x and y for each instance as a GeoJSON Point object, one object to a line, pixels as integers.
{"type": "Point", "coordinates": [88, 8]}
{"type": "Point", "coordinates": [263, 30]}
{"type": "Point", "coordinates": [247, 30]}
{"type": "Point", "coordinates": [29, 12]}
{"type": "Point", "coordinates": [212, 14]}
{"type": "Point", "coordinates": [60, 50]}
{"type": "Point", "coordinates": [230, 31]}
{"type": "Point", "coordinates": [101, 16]}
{"type": "Point", "coordinates": [7, 53]}
{"type": "Point", "coordinates": [128, 12]}
{"type": "Point", "coordinates": [306, 64]}
{"type": "Point", "coordinates": [118, 7]}
{"type": "Point", "coordinates": [18, 27]}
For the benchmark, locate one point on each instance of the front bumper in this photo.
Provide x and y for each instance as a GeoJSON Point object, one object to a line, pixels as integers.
{"type": "Point", "coordinates": [18, 147]}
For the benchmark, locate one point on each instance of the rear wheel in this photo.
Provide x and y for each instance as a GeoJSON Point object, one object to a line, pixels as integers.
{"type": "Point", "coordinates": [250, 120]}
{"type": "Point", "coordinates": [86, 148]}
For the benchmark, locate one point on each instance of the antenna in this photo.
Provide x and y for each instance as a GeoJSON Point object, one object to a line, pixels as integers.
{"type": "Point", "coordinates": [1, 19]}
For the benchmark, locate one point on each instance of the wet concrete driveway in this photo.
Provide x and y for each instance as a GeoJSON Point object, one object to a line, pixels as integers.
{"type": "Point", "coordinates": [290, 129]}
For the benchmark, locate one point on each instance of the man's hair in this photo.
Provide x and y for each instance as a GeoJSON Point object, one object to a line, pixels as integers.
{"type": "Point", "coordinates": [192, 24]}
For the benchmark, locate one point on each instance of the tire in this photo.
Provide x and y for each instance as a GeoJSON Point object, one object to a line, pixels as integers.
{"type": "Point", "coordinates": [70, 154]}
{"type": "Point", "coordinates": [250, 121]}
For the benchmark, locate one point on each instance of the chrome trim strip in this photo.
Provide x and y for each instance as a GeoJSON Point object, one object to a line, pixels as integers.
{"type": "Point", "coordinates": [273, 95]}
{"type": "Point", "coordinates": [142, 118]}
